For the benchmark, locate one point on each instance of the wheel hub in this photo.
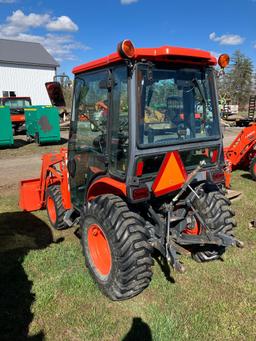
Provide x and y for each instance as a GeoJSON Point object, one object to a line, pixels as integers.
{"type": "Point", "coordinates": [51, 209]}
{"type": "Point", "coordinates": [193, 227]}
{"type": "Point", "coordinates": [99, 249]}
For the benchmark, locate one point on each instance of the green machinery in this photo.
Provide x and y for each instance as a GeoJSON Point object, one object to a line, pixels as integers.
{"type": "Point", "coordinates": [42, 124]}
{"type": "Point", "coordinates": [6, 134]}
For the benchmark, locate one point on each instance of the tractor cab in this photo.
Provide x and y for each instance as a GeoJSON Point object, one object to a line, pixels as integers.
{"type": "Point", "coordinates": [128, 113]}
{"type": "Point", "coordinates": [144, 165]}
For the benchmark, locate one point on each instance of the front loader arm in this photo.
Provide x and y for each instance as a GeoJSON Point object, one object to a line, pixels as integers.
{"type": "Point", "coordinates": [53, 171]}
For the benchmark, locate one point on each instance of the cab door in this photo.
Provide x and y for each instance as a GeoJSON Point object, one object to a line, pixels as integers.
{"type": "Point", "coordinates": [88, 133]}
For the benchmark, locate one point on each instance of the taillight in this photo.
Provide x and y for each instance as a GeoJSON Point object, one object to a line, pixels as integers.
{"type": "Point", "coordinates": [218, 177]}
{"type": "Point", "coordinates": [139, 168]}
{"type": "Point", "coordinates": [214, 155]}
{"type": "Point", "coordinates": [140, 193]}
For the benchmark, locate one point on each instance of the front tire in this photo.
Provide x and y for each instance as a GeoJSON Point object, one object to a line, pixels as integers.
{"type": "Point", "coordinates": [215, 210]}
{"type": "Point", "coordinates": [54, 206]}
{"type": "Point", "coordinates": [115, 247]}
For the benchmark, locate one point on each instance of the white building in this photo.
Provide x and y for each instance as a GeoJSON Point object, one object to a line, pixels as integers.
{"type": "Point", "coordinates": [25, 68]}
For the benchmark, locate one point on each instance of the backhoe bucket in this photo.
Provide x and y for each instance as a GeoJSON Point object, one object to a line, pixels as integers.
{"type": "Point", "coordinates": [30, 195]}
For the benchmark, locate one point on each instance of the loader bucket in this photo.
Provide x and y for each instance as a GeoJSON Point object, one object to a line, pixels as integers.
{"type": "Point", "coordinates": [30, 195]}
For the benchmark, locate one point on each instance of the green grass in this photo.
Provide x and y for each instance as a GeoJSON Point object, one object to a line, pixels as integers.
{"type": "Point", "coordinates": [48, 293]}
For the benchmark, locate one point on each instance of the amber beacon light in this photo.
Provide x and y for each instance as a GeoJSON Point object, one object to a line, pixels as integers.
{"type": "Point", "coordinates": [223, 60]}
{"type": "Point", "coordinates": [126, 49]}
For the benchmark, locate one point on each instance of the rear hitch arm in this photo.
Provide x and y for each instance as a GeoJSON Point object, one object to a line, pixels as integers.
{"type": "Point", "coordinates": [187, 183]}
{"type": "Point", "coordinates": [170, 251]}
{"type": "Point", "coordinates": [219, 239]}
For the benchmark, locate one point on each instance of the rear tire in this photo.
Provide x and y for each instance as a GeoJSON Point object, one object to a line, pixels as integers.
{"type": "Point", "coordinates": [54, 206]}
{"type": "Point", "coordinates": [123, 267]}
{"type": "Point", "coordinates": [252, 168]}
{"type": "Point", "coordinates": [215, 210]}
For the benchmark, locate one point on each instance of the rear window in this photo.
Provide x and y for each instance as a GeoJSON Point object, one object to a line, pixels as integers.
{"type": "Point", "coordinates": [190, 159]}
{"type": "Point", "coordinates": [17, 103]}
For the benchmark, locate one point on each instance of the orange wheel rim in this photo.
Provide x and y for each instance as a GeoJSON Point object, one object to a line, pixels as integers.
{"type": "Point", "coordinates": [194, 230]}
{"type": "Point", "coordinates": [51, 210]}
{"type": "Point", "coordinates": [99, 249]}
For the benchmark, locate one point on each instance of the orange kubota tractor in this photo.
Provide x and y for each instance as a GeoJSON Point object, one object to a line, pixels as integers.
{"type": "Point", "coordinates": [140, 174]}
{"type": "Point", "coordinates": [242, 153]}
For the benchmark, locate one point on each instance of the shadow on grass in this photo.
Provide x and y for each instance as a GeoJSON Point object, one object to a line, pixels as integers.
{"type": "Point", "coordinates": [20, 232]}
{"type": "Point", "coordinates": [18, 143]}
{"type": "Point", "coordinates": [140, 331]}
{"type": "Point", "coordinates": [59, 143]}
{"type": "Point", "coordinates": [165, 267]}
{"type": "Point", "coordinates": [247, 176]}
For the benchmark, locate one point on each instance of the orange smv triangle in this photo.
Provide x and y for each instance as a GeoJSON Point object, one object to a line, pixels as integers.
{"type": "Point", "coordinates": [171, 175]}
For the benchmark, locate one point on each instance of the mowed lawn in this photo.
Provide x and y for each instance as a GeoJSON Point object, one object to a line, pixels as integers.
{"type": "Point", "coordinates": [47, 293]}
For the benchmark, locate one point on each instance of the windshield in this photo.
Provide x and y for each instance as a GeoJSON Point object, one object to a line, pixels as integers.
{"type": "Point", "coordinates": [17, 103]}
{"type": "Point", "coordinates": [176, 105]}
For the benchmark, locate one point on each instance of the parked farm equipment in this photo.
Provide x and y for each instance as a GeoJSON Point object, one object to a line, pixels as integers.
{"type": "Point", "coordinates": [135, 180]}
{"type": "Point", "coordinates": [6, 134]}
{"type": "Point", "coordinates": [242, 153]}
{"type": "Point", "coordinates": [230, 113]}
{"type": "Point", "coordinates": [37, 193]}
{"type": "Point", "coordinates": [16, 106]}
{"type": "Point", "coordinates": [42, 124]}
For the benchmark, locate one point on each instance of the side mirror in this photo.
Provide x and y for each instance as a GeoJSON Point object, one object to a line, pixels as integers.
{"type": "Point", "coordinates": [55, 94]}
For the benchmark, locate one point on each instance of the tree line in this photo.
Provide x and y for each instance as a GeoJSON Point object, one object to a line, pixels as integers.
{"type": "Point", "coordinates": [238, 82]}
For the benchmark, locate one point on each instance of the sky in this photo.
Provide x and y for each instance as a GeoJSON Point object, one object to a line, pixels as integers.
{"type": "Point", "coordinates": [75, 32]}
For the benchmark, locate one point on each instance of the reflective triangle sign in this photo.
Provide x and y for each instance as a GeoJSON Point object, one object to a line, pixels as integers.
{"type": "Point", "coordinates": [171, 175]}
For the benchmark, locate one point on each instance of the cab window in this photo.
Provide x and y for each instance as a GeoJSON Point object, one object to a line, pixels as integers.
{"type": "Point", "coordinates": [119, 123]}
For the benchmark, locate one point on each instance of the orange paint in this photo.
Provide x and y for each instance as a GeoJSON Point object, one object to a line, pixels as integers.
{"type": "Point", "coordinates": [53, 171]}
{"type": "Point", "coordinates": [106, 185]}
{"type": "Point", "coordinates": [99, 249]}
{"type": "Point", "coordinates": [161, 54]}
{"type": "Point", "coordinates": [194, 230]}
{"type": "Point", "coordinates": [18, 118]}
{"type": "Point", "coordinates": [51, 209]}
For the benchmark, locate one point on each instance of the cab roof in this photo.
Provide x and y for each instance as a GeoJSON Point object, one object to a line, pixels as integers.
{"type": "Point", "coordinates": [159, 54]}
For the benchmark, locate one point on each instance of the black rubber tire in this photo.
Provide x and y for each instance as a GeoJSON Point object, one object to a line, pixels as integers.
{"type": "Point", "coordinates": [215, 209]}
{"type": "Point", "coordinates": [55, 193]}
{"type": "Point", "coordinates": [127, 236]}
{"type": "Point", "coordinates": [252, 168]}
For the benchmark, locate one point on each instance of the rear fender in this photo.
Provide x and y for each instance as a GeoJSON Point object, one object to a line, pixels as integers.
{"type": "Point", "coordinates": [106, 185]}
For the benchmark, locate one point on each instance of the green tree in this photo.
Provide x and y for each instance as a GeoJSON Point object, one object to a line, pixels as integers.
{"type": "Point", "coordinates": [68, 92]}
{"type": "Point", "coordinates": [237, 82]}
